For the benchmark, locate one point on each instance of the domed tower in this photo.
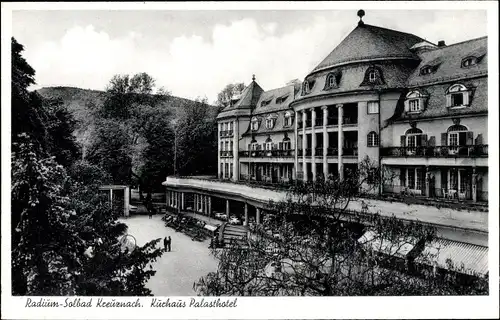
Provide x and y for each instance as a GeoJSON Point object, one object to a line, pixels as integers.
{"type": "Point", "coordinates": [345, 100]}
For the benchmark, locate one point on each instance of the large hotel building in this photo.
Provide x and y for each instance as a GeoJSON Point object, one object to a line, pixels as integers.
{"type": "Point", "coordinates": [415, 108]}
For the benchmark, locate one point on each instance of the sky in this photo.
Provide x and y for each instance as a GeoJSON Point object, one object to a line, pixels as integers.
{"type": "Point", "coordinates": [196, 53]}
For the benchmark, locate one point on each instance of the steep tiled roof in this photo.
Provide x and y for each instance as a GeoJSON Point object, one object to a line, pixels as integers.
{"type": "Point", "coordinates": [271, 97]}
{"type": "Point", "coordinates": [394, 75]}
{"type": "Point", "coordinates": [248, 99]}
{"type": "Point", "coordinates": [370, 42]}
{"type": "Point", "coordinates": [449, 62]}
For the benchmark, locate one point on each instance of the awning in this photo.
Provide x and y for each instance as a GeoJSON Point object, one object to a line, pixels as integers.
{"type": "Point", "coordinates": [210, 227]}
{"type": "Point", "coordinates": [399, 247]}
{"type": "Point", "coordinates": [467, 258]}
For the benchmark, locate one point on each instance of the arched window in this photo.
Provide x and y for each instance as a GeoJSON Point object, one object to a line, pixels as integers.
{"type": "Point", "coordinates": [288, 119]}
{"type": "Point", "coordinates": [270, 122]}
{"type": "Point", "coordinates": [457, 96]}
{"type": "Point", "coordinates": [373, 76]}
{"type": "Point", "coordinates": [255, 124]}
{"type": "Point", "coordinates": [415, 101]}
{"type": "Point", "coordinates": [307, 86]}
{"type": "Point", "coordinates": [459, 135]}
{"type": "Point", "coordinates": [373, 140]}
{"type": "Point", "coordinates": [414, 137]}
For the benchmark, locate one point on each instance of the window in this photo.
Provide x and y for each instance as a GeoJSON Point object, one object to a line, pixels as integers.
{"type": "Point", "coordinates": [372, 76]}
{"type": "Point", "coordinates": [270, 122]}
{"type": "Point", "coordinates": [413, 138]}
{"type": "Point", "coordinates": [373, 139]}
{"type": "Point", "coordinates": [457, 99]}
{"type": "Point", "coordinates": [414, 105]}
{"type": "Point", "coordinates": [288, 119]}
{"type": "Point", "coordinates": [222, 146]}
{"type": "Point", "coordinates": [265, 103]}
{"type": "Point", "coordinates": [415, 101]}
{"type": "Point", "coordinates": [427, 70]}
{"type": "Point", "coordinates": [255, 124]}
{"type": "Point", "coordinates": [457, 96]}
{"type": "Point", "coordinates": [458, 135]}
{"type": "Point", "coordinates": [415, 178]}
{"type": "Point", "coordinates": [469, 61]}
{"type": "Point", "coordinates": [281, 99]}
{"type": "Point", "coordinates": [308, 85]}
{"type": "Point", "coordinates": [333, 80]}
{"type": "Point", "coordinates": [373, 107]}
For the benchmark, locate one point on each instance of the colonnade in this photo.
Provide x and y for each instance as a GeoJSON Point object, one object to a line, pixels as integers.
{"type": "Point", "coordinates": [203, 204]}
{"type": "Point", "coordinates": [340, 112]}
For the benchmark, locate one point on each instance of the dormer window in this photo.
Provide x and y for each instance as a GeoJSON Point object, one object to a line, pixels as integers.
{"type": "Point", "coordinates": [415, 102]}
{"type": "Point", "coordinates": [265, 103]}
{"type": "Point", "coordinates": [427, 70]}
{"type": "Point", "coordinates": [270, 121]}
{"type": "Point", "coordinates": [469, 61]}
{"type": "Point", "coordinates": [457, 96]}
{"type": "Point", "coordinates": [282, 99]}
{"type": "Point", "coordinates": [332, 80]}
{"type": "Point", "coordinates": [373, 76]}
{"type": "Point", "coordinates": [307, 87]}
{"type": "Point", "coordinates": [288, 119]}
{"type": "Point", "coordinates": [255, 124]}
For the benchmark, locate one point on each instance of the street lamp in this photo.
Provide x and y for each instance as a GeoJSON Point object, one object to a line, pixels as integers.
{"type": "Point", "coordinates": [174, 123]}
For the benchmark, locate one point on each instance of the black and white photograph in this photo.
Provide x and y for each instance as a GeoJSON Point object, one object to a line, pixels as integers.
{"type": "Point", "coordinates": [190, 158]}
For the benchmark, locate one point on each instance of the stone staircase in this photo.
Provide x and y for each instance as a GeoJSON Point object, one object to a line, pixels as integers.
{"type": "Point", "coordinates": [233, 234]}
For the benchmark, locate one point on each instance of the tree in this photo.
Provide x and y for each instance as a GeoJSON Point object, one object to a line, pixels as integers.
{"type": "Point", "coordinates": [224, 97]}
{"type": "Point", "coordinates": [46, 248]}
{"type": "Point", "coordinates": [124, 126]}
{"type": "Point", "coordinates": [197, 139]}
{"type": "Point", "coordinates": [65, 237]}
{"type": "Point", "coordinates": [319, 248]}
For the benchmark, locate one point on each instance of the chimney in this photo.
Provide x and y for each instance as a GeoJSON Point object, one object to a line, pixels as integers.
{"type": "Point", "coordinates": [441, 43]}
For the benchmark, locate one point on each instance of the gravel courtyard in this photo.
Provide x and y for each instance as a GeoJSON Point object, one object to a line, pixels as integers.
{"type": "Point", "coordinates": [176, 270]}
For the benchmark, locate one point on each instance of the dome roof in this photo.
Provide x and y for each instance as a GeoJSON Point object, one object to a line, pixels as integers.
{"type": "Point", "coordinates": [367, 42]}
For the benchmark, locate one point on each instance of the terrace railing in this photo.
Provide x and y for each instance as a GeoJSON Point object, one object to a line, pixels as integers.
{"type": "Point", "coordinates": [472, 151]}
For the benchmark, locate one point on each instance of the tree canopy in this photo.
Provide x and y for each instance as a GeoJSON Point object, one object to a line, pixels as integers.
{"type": "Point", "coordinates": [65, 234]}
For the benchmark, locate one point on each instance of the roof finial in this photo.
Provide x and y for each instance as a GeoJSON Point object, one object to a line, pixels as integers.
{"type": "Point", "coordinates": [253, 77]}
{"type": "Point", "coordinates": [361, 14]}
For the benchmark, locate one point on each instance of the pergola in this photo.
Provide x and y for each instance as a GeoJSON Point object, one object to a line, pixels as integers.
{"type": "Point", "coordinates": [126, 196]}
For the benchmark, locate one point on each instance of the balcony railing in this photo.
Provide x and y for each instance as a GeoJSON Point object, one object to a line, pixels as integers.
{"type": "Point", "coordinates": [226, 133]}
{"type": "Point", "coordinates": [319, 122]}
{"type": "Point", "coordinates": [267, 153]}
{"type": "Point", "coordinates": [349, 151]}
{"type": "Point", "coordinates": [438, 151]}
{"type": "Point", "coordinates": [308, 123]}
{"type": "Point", "coordinates": [308, 152]}
{"type": "Point", "coordinates": [226, 153]}
{"type": "Point", "coordinates": [319, 152]}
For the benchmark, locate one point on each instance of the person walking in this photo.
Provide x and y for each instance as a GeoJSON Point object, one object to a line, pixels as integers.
{"type": "Point", "coordinates": [169, 243]}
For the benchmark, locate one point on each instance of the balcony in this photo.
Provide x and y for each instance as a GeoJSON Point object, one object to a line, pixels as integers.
{"type": "Point", "coordinates": [473, 151]}
{"type": "Point", "coordinates": [319, 152]}
{"type": "Point", "coordinates": [267, 153]}
{"type": "Point", "coordinates": [308, 123]}
{"type": "Point", "coordinates": [226, 153]}
{"type": "Point", "coordinates": [318, 122]}
{"type": "Point", "coordinates": [226, 133]}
